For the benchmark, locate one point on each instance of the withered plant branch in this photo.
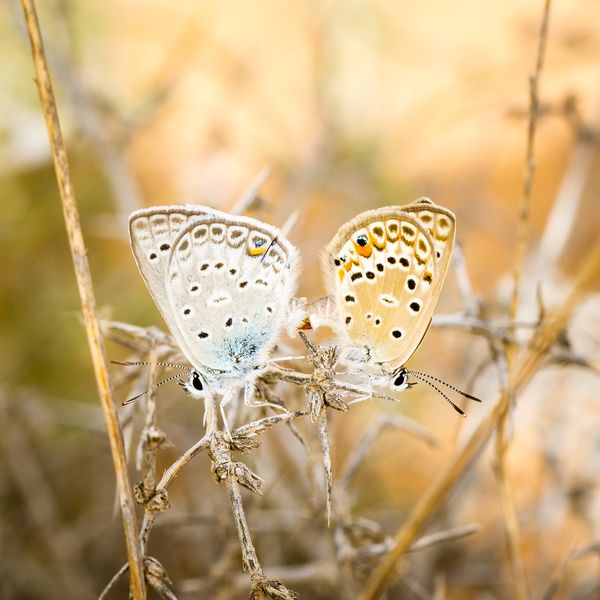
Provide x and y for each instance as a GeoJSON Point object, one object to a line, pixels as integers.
{"type": "Point", "coordinates": [250, 194]}
{"type": "Point", "coordinates": [565, 207]}
{"type": "Point", "coordinates": [511, 522]}
{"type": "Point", "coordinates": [290, 223]}
{"type": "Point", "coordinates": [236, 474]}
{"type": "Point", "coordinates": [333, 385]}
{"type": "Point", "coordinates": [88, 303]}
{"type": "Point", "coordinates": [326, 453]}
{"type": "Point", "coordinates": [524, 209]}
{"type": "Point", "coordinates": [152, 439]}
{"type": "Point", "coordinates": [322, 572]}
{"type": "Point", "coordinates": [423, 543]}
{"type": "Point", "coordinates": [140, 339]}
{"type": "Point", "coordinates": [319, 397]}
{"type": "Point", "coordinates": [501, 329]}
{"type": "Point", "coordinates": [448, 535]}
{"type": "Point", "coordinates": [113, 581]}
{"type": "Point", "coordinates": [558, 576]}
{"type": "Point", "coordinates": [233, 474]}
{"type": "Point", "coordinates": [463, 281]}
{"type": "Point", "coordinates": [526, 367]}
{"type": "Point", "coordinates": [380, 423]}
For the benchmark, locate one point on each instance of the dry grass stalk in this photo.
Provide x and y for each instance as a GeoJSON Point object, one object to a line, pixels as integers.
{"type": "Point", "coordinates": [534, 108]}
{"type": "Point", "coordinates": [88, 303]}
{"type": "Point", "coordinates": [509, 510]}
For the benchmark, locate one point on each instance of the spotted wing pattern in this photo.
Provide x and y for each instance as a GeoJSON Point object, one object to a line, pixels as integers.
{"type": "Point", "coordinates": [222, 283]}
{"type": "Point", "coordinates": [385, 269]}
{"type": "Point", "coordinates": [152, 232]}
{"type": "Point", "coordinates": [229, 281]}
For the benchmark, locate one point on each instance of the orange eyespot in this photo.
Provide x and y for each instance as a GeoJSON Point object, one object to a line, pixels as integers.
{"type": "Point", "coordinates": [256, 251]}
{"type": "Point", "coordinates": [257, 246]}
{"type": "Point", "coordinates": [363, 245]}
{"type": "Point", "coordinates": [341, 273]}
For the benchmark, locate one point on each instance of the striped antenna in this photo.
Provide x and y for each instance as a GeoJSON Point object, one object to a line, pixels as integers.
{"type": "Point", "coordinates": [131, 400]}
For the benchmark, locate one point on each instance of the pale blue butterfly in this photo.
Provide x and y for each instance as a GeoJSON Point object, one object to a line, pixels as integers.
{"type": "Point", "coordinates": [223, 284]}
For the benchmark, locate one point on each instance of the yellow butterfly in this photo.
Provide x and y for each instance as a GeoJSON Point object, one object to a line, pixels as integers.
{"type": "Point", "coordinates": [385, 270]}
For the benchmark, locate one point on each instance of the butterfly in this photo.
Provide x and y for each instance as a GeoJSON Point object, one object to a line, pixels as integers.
{"type": "Point", "coordinates": [222, 284]}
{"type": "Point", "coordinates": [385, 270]}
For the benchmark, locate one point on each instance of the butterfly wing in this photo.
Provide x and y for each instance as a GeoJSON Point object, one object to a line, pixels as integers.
{"type": "Point", "coordinates": [152, 232]}
{"type": "Point", "coordinates": [229, 281]}
{"type": "Point", "coordinates": [385, 269]}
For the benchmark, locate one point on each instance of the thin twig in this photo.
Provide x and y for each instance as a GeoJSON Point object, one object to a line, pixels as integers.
{"type": "Point", "coordinates": [562, 218]}
{"type": "Point", "coordinates": [249, 195]}
{"type": "Point", "coordinates": [463, 281]}
{"type": "Point", "coordinates": [558, 576]}
{"type": "Point", "coordinates": [513, 535]}
{"type": "Point", "coordinates": [113, 581]}
{"type": "Point", "coordinates": [88, 303]}
{"type": "Point", "coordinates": [374, 430]}
{"type": "Point", "coordinates": [534, 106]}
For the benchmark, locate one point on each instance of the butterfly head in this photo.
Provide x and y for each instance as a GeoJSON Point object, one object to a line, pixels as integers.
{"type": "Point", "coordinates": [399, 380]}
{"type": "Point", "coordinates": [196, 385]}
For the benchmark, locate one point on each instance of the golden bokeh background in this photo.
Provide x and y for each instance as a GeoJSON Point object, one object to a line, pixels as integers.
{"type": "Point", "coordinates": [352, 105]}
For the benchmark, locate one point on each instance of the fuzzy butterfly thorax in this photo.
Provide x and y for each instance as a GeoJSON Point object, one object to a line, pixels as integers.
{"type": "Point", "coordinates": [221, 282]}
{"type": "Point", "coordinates": [385, 270]}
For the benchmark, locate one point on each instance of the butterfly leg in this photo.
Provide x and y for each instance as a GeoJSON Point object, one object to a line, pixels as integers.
{"type": "Point", "coordinates": [368, 395]}
{"type": "Point", "coordinates": [225, 400]}
{"type": "Point", "coordinates": [285, 358]}
{"type": "Point", "coordinates": [249, 392]}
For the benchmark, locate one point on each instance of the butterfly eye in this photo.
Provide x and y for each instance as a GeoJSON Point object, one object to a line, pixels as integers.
{"type": "Point", "coordinates": [197, 382]}
{"type": "Point", "coordinates": [401, 379]}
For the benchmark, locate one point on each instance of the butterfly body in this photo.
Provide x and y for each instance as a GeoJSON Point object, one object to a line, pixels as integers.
{"type": "Point", "coordinates": [385, 270]}
{"type": "Point", "coordinates": [221, 282]}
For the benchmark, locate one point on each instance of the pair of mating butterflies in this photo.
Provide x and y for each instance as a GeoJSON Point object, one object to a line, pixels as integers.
{"type": "Point", "coordinates": [224, 283]}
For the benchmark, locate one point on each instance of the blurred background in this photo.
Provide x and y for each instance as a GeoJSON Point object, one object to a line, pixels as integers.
{"type": "Point", "coordinates": [352, 105]}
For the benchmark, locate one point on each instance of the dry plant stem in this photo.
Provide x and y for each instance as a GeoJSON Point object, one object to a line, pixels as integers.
{"type": "Point", "coordinates": [557, 577]}
{"type": "Point", "coordinates": [244, 202]}
{"type": "Point", "coordinates": [113, 581]}
{"type": "Point", "coordinates": [249, 558]}
{"type": "Point", "coordinates": [373, 432]}
{"type": "Point", "coordinates": [563, 215]}
{"type": "Point", "coordinates": [169, 475]}
{"type": "Point", "coordinates": [534, 105]}
{"type": "Point", "coordinates": [88, 303]}
{"type": "Point", "coordinates": [528, 364]}
{"type": "Point", "coordinates": [509, 509]}
{"type": "Point", "coordinates": [327, 571]}
{"type": "Point", "coordinates": [463, 281]}
{"type": "Point", "coordinates": [326, 452]}
{"type": "Point", "coordinates": [511, 522]}
{"type": "Point", "coordinates": [427, 541]}
{"type": "Point", "coordinates": [147, 451]}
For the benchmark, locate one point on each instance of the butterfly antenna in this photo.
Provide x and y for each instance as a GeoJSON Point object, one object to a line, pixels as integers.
{"type": "Point", "coordinates": [131, 400]}
{"type": "Point", "coordinates": [439, 391]}
{"type": "Point", "coordinates": [147, 363]}
{"type": "Point", "coordinates": [273, 242]}
{"type": "Point", "coordinates": [454, 389]}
